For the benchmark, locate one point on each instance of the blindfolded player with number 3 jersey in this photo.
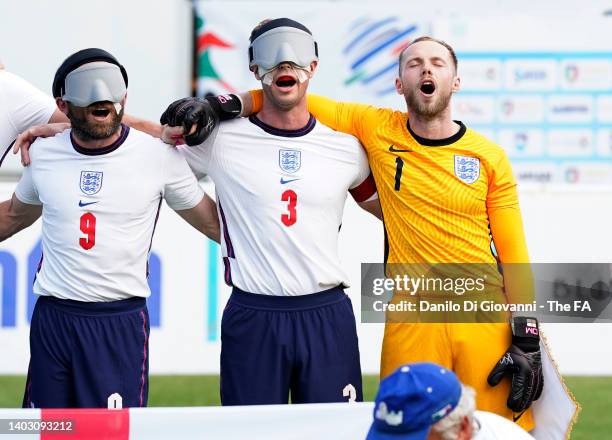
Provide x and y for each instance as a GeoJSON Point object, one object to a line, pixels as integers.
{"type": "Point", "coordinates": [99, 190]}
{"type": "Point", "coordinates": [282, 179]}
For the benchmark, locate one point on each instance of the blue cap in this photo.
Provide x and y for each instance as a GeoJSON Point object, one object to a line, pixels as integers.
{"type": "Point", "coordinates": [412, 399]}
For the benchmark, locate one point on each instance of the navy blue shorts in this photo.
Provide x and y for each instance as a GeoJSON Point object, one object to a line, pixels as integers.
{"type": "Point", "coordinates": [82, 352]}
{"type": "Point", "coordinates": [275, 345]}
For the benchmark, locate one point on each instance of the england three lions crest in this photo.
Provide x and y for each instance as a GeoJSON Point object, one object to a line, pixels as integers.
{"type": "Point", "coordinates": [467, 168]}
{"type": "Point", "coordinates": [290, 161]}
{"type": "Point", "coordinates": [91, 182]}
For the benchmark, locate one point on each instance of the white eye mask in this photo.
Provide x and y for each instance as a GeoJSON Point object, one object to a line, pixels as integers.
{"type": "Point", "coordinates": [93, 82]}
{"type": "Point", "coordinates": [282, 44]}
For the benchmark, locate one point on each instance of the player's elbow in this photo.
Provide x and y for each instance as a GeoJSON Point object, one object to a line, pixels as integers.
{"type": "Point", "coordinates": [9, 226]}
{"type": "Point", "coordinates": [212, 230]}
{"type": "Point", "coordinates": [13, 220]}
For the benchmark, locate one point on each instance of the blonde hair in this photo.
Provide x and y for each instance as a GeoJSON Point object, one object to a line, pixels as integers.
{"type": "Point", "coordinates": [451, 51]}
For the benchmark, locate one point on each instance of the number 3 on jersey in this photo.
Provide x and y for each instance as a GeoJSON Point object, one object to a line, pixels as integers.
{"type": "Point", "coordinates": [291, 197]}
{"type": "Point", "coordinates": [88, 227]}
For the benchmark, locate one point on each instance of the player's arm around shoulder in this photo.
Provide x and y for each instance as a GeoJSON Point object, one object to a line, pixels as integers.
{"type": "Point", "coordinates": [16, 215]}
{"type": "Point", "coordinates": [348, 117]}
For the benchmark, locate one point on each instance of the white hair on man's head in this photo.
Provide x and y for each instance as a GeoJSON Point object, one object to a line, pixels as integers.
{"type": "Point", "coordinates": [449, 426]}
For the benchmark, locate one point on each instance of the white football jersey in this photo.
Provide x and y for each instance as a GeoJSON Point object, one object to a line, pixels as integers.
{"type": "Point", "coordinates": [280, 197]}
{"type": "Point", "coordinates": [99, 210]}
{"type": "Point", "coordinates": [494, 427]}
{"type": "Point", "coordinates": [21, 106]}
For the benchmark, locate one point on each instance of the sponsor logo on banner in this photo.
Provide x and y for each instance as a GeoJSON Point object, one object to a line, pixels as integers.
{"type": "Point", "coordinates": [521, 109]}
{"type": "Point", "coordinates": [594, 74]}
{"type": "Point", "coordinates": [535, 172]}
{"type": "Point", "coordinates": [578, 143]}
{"type": "Point", "coordinates": [588, 173]}
{"type": "Point", "coordinates": [467, 168]}
{"type": "Point", "coordinates": [480, 74]}
{"type": "Point", "coordinates": [290, 161]}
{"type": "Point", "coordinates": [91, 182]}
{"type": "Point", "coordinates": [571, 73]}
{"type": "Point", "coordinates": [474, 109]}
{"type": "Point", "coordinates": [570, 108]}
{"type": "Point", "coordinates": [530, 75]}
{"type": "Point", "coordinates": [371, 50]}
{"type": "Point", "coordinates": [522, 143]}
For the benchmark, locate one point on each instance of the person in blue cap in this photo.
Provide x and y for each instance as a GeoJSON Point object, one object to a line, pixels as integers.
{"type": "Point", "coordinates": [425, 401]}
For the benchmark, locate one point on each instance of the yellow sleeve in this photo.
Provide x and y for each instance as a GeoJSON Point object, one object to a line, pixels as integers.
{"type": "Point", "coordinates": [257, 97]}
{"type": "Point", "coordinates": [509, 238]}
{"type": "Point", "coordinates": [505, 214]}
{"type": "Point", "coordinates": [502, 186]}
{"type": "Point", "coordinates": [355, 119]}
{"type": "Point", "coordinates": [508, 235]}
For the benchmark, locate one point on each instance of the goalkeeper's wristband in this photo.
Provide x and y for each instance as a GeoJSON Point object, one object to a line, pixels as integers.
{"type": "Point", "coordinates": [525, 333]}
{"type": "Point", "coordinates": [225, 106]}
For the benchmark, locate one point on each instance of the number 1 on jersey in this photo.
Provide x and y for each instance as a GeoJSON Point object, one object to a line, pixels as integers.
{"type": "Point", "coordinates": [291, 197]}
{"type": "Point", "coordinates": [398, 172]}
{"type": "Point", "coordinates": [88, 226]}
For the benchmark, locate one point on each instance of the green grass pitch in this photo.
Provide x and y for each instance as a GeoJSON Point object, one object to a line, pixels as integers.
{"type": "Point", "coordinates": [593, 393]}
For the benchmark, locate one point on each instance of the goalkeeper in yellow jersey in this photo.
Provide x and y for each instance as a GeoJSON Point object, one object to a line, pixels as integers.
{"type": "Point", "coordinates": [445, 192]}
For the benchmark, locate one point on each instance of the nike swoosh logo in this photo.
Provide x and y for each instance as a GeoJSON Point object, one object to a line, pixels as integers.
{"type": "Point", "coordinates": [283, 181]}
{"type": "Point", "coordinates": [81, 204]}
{"type": "Point", "coordinates": [394, 150]}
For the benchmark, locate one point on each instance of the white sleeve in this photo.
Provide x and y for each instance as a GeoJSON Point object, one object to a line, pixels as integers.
{"type": "Point", "coordinates": [26, 190]}
{"type": "Point", "coordinates": [199, 156]}
{"type": "Point", "coordinates": [363, 187]}
{"type": "Point", "coordinates": [27, 105]}
{"type": "Point", "coordinates": [181, 189]}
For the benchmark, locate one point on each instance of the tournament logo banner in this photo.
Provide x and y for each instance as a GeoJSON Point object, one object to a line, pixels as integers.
{"type": "Point", "coordinates": [372, 49]}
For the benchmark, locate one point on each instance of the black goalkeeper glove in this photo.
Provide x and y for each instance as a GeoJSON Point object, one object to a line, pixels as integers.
{"type": "Point", "coordinates": [523, 362]}
{"type": "Point", "coordinates": [205, 114]}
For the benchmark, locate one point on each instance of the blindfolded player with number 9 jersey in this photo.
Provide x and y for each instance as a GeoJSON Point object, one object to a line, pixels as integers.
{"type": "Point", "coordinates": [99, 190]}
